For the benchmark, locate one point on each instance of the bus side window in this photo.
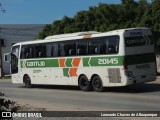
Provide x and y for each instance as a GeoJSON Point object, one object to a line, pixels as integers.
{"type": "Point", "coordinates": [22, 56]}
{"type": "Point", "coordinates": [40, 50]}
{"type": "Point", "coordinates": [68, 48]}
{"type": "Point", "coordinates": [25, 52]}
{"type": "Point", "coordinates": [61, 49]}
{"type": "Point", "coordinates": [43, 50]}
{"type": "Point", "coordinates": [55, 50]}
{"type": "Point", "coordinates": [80, 51]}
{"type": "Point", "coordinates": [27, 55]}
{"type": "Point", "coordinates": [111, 49]}
{"type": "Point", "coordinates": [30, 51]}
{"type": "Point", "coordinates": [97, 46]}
{"type": "Point", "coordinates": [94, 48]}
{"type": "Point", "coordinates": [97, 50]}
{"type": "Point", "coordinates": [71, 52]}
{"type": "Point", "coordinates": [48, 50]}
{"type": "Point", "coordinates": [82, 47]}
{"type": "Point", "coordinates": [112, 44]}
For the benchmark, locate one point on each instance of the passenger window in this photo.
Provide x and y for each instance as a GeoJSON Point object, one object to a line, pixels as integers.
{"type": "Point", "coordinates": [82, 47]}
{"type": "Point", "coordinates": [48, 50]}
{"type": "Point", "coordinates": [67, 48]}
{"type": "Point", "coordinates": [31, 51]}
{"type": "Point", "coordinates": [54, 50]}
{"type": "Point", "coordinates": [51, 50]}
{"type": "Point", "coordinates": [61, 49]}
{"type": "Point", "coordinates": [93, 46]}
{"type": "Point", "coordinates": [97, 46]}
{"type": "Point", "coordinates": [22, 56]}
{"type": "Point", "coordinates": [112, 44]}
{"type": "Point", "coordinates": [27, 51]}
{"type": "Point", "coordinates": [40, 50]}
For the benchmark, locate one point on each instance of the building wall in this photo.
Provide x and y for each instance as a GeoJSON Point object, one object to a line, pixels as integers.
{"type": "Point", "coordinates": [14, 33]}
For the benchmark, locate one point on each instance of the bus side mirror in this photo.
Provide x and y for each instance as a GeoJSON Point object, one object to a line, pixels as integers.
{"type": "Point", "coordinates": [6, 57]}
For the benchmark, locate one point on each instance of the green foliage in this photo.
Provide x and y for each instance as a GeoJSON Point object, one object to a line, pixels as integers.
{"type": "Point", "coordinates": [107, 17]}
{"type": "Point", "coordinates": [156, 14]}
{"type": "Point", "coordinates": [8, 105]}
{"type": "Point", "coordinates": [46, 32]}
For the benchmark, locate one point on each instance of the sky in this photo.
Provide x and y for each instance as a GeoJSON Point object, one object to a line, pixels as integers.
{"type": "Point", "coordinates": [44, 11]}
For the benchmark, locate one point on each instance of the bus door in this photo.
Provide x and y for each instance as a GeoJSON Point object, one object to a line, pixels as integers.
{"type": "Point", "coordinates": [14, 63]}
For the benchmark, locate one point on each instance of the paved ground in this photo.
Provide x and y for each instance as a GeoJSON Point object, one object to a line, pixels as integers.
{"type": "Point", "coordinates": [144, 97]}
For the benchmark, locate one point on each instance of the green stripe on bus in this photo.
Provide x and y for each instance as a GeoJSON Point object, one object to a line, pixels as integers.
{"type": "Point", "coordinates": [69, 62]}
{"type": "Point", "coordinates": [85, 61]}
{"type": "Point", "coordinates": [103, 61]}
{"type": "Point", "coordinates": [65, 72]}
{"type": "Point", "coordinates": [39, 63]}
{"type": "Point", "coordinates": [92, 61]}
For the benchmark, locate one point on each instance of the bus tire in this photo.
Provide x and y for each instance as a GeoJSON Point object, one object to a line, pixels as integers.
{"type": "Point", "coordinates": [27, 81]}
{"type": "Point", "coordinates": [97, 84]}
{"type": "Point", "coordinates": [84, 83]}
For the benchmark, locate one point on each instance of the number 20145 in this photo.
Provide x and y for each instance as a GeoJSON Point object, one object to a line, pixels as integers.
{"type": "Point", "coordinates": [108, 61]}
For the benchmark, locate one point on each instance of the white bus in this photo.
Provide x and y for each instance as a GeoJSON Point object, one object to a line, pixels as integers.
{"type": "Point", "coordinates": [90, 60]}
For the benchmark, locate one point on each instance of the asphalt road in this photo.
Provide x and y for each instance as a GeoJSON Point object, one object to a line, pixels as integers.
{"type": "Point", "coordinates": [144, 97]}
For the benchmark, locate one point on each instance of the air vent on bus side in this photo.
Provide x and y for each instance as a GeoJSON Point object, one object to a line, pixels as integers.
{"type": "Point", "coordinates": [114, 75]}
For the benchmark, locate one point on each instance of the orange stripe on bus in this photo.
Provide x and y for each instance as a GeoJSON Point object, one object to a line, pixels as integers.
{"type": "Point", "coordinates": [73, 72]}
{"type": "Point", "coordinates": [76, 62]}
{"type": "Point", "coordinates": [62, 62]}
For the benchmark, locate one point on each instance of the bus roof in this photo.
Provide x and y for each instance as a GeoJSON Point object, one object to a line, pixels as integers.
{"type": "Point", "coordinates": [62, 37]}
{"type": "Point", "coordinates": [71, 35]}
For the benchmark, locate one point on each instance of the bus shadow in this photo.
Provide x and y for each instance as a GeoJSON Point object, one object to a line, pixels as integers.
{"type": "Point", "coordinates": [140, 88]}
{"type": "Point", "coordinates": [56, 87]}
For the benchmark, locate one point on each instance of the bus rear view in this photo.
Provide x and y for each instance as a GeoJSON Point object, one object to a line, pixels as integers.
{"type": "Point", "coordinates": [140, 60]}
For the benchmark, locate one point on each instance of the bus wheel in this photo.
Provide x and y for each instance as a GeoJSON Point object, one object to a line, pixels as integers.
{"type": "Point", "coordinates": [97, 84]}
{"type": "Point", "coordinates": [84, 83]}
{"type": "Point", "coordinates": [27, 81]}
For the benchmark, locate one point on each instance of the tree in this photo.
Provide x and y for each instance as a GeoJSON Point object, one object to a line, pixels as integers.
{"type": "Point", "coordinates": [2, 9]}
{"type": "Point", "coordinates": [127, 1]}
{"type": "Point", "coordinates": [45, 32]}
{"type": "Point", "coordinates": [103, 18]}
{"type": "Point", "coordinates": [156, 14]}
{"type": "Point", "coordinates": [143, 16]}
{"type": "Point", "coordinates": [107, 17]}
